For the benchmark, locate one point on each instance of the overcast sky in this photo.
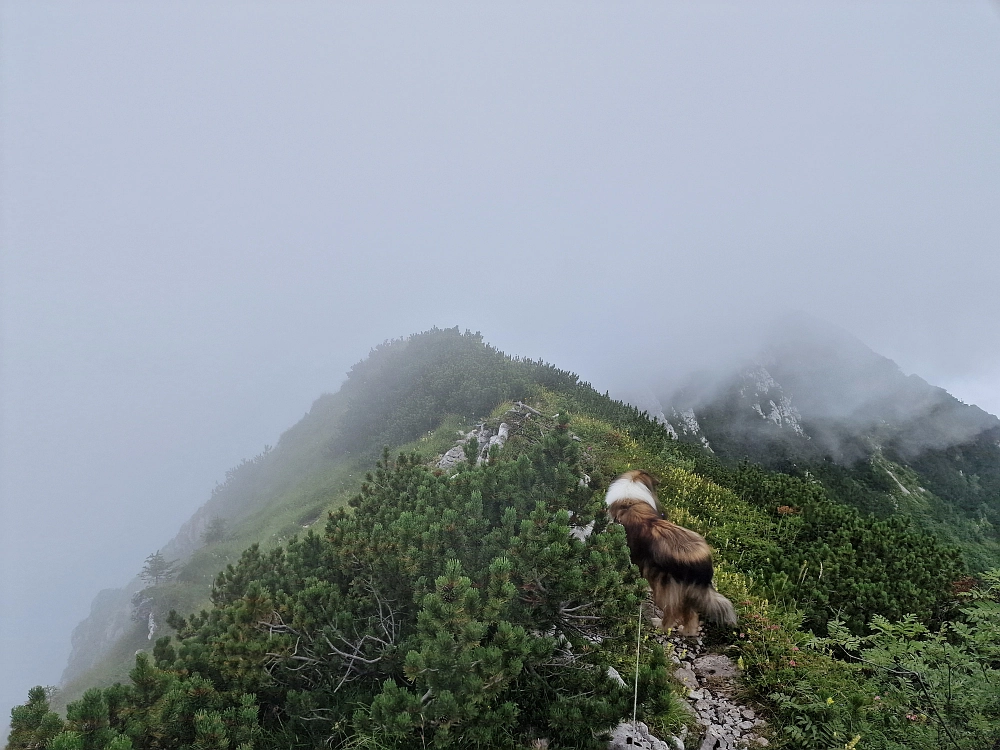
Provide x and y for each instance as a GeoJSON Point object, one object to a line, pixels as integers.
{"type": "Point", "coordinates": [210, 211]}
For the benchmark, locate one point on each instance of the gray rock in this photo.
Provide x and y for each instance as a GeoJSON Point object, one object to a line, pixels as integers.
{"type": "Point", "coordinates": [638, 734]}
{"type": "Point", "coordinates": [453, 457]}
{"type": "Point", "coordinates": [485, 438]}
{"type": "Point", "coordinates": [497, 440]}
{"type": "Point", "coordinates": [686, 677]}
{"type": "Point", "coordinates": [715, 666]}
{"type": "Point", "coordinates": [711, 741]}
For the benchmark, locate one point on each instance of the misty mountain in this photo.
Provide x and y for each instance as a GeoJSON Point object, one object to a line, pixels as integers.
{"type": "Point", "coordinates": [817, 402]}
{"type": "Point", "coordinates": [329, 593]}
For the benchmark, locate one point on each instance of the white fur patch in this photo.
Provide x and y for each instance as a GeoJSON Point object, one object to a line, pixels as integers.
{"type": "Point", "coordinates": [629, 489]}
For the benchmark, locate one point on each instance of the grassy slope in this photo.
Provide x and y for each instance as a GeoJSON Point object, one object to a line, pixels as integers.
{"type": "Point", "coordinates": [302, 505]}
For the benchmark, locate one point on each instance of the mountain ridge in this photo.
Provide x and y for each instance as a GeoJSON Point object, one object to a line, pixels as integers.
{"type": "Point", "coordinates": [785, 534]}
{"type": "Point", "coordinates": [751, 399]}
{"type": "Point", "coordinates": [821, 403]}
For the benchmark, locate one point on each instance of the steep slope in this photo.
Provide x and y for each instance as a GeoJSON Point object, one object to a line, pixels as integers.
{"type": "Point", "coordinates": [294, 481]}
{"type": "Point", "coordinates": [817, 402]}
{"type": "Point", "coordinates": [400, 392]}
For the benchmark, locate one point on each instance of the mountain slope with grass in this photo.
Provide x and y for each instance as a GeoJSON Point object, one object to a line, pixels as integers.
{"type": "Point", "coordinates": [404, 390]}
{"type": "Point", "coordinates": [468, 606]}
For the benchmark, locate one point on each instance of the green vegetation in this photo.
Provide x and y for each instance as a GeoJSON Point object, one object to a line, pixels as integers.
{"type": "Point", "coordinates": [215, 531]}
{"type": "Point", "coordinates": [443, 611]}
{"type": "Point", "coordinates": [888, 460]}
{"type": "Point", "coordinates": [455, 609]}
{"type": "Point", "coordinates": [157, 569]}
{"type": "Point", "coordinates": [908, 489]}
{"type": "Point", "coordinates": [943, 676]}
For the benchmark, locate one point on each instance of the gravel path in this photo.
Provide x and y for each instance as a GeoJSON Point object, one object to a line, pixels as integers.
{"type": "Point", "coordinates": [713, 687]}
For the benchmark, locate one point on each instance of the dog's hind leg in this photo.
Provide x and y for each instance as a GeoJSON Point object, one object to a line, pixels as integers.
{"type": "Point", "coordinates": [691, 624]}
{"type": "Point", "coordinates": [668, 597]}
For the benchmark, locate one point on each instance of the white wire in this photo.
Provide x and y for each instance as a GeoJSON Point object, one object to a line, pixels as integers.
{"type": "Point", "coordinates": [638, 642]}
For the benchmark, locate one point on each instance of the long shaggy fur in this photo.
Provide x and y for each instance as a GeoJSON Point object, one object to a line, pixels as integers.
{"type": "Point", "coordinates": [676, 561]}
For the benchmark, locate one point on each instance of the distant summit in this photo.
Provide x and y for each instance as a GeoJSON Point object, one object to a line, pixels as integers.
{"type": "Point", "coordinates": [817, 401]}
{"type": "Point", "coordinates": [815, 391]}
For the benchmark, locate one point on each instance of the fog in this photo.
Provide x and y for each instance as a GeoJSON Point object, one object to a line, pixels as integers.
{"type": "Point", "coordinates": [211, 210]}
{"type": "Point", "coordinates": [813, 388]}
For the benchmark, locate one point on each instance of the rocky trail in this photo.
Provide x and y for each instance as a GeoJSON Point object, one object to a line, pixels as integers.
{"type": "Point", "coordinates": [712, 682]}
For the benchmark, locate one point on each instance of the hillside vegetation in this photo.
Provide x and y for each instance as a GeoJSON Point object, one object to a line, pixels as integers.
{"type": "Point", "coordinates": [455, 608]}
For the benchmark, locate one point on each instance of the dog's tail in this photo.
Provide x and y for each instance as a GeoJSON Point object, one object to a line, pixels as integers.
{"type": "Point", "coordinates": [718, 608]}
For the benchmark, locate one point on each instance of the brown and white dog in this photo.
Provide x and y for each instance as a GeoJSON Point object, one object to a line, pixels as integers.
{"type": "Point", "coordinates": [676, 561]}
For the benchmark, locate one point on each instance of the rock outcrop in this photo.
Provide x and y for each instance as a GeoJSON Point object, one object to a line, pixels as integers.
{"type": "Point", "coordinates": [109, 619]}
{"type": "Point", "coordinates": [627, 736]}
{"type": "Point", "coordinates": [486, 439]}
